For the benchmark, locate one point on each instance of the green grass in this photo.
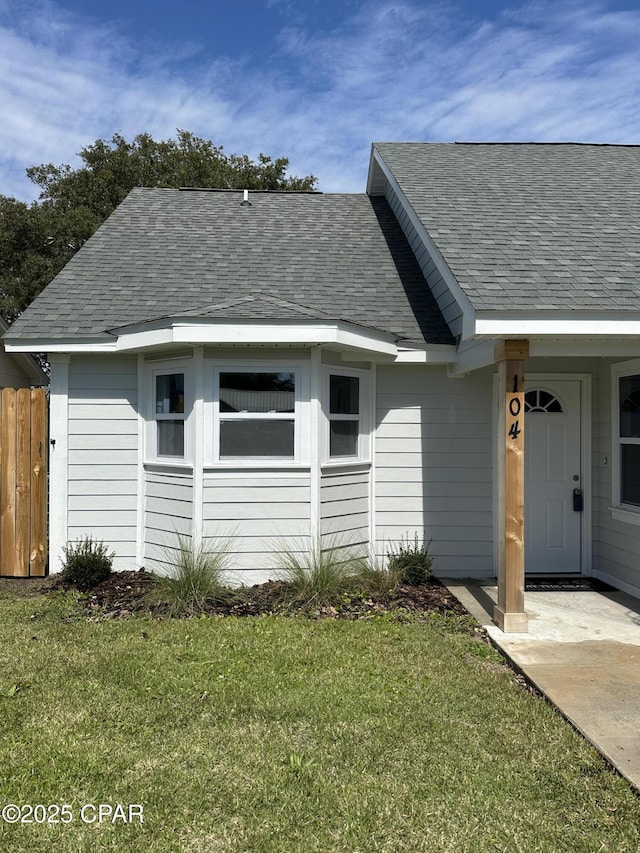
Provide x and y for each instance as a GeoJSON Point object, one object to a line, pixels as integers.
{"type": "Point", "coordinates": [288, 734]}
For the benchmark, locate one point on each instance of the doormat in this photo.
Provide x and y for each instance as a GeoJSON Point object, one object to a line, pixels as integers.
{"type": "Point", "coordinates": [566, 584]}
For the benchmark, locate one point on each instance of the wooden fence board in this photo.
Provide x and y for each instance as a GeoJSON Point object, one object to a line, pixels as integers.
{"type": "Point", "coordinates": [39, 457]}
{"type": "Point", "coordinates": [8, 486]}
{"type": "Point", "coordinates": [23, 482]}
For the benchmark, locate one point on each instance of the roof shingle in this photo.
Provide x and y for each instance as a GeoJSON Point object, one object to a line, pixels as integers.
{"type": "Point", "coordinates": [172, 253]}
{"type": "Point", "coordinates": [529, 225]}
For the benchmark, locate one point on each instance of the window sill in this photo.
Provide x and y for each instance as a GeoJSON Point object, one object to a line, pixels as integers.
{"type": "Point", "coordinates": [350, 464]}
{"type": "Point", "coordinates": [158, 464]}
{"type": "Point", "coordinates": [256, 465]}
{"type": "Point", "coordinates": [631, 516]}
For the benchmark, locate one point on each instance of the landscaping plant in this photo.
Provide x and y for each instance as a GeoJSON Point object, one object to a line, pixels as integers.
{"type": "Point", "coordinates": [379, 580]}
{"type": "Point", "coordinates": [324, 573]}
{"type": "Point", "coordinates": [410, 560]}
{"type": "Point", "coordinates": [196, 576]}
{"type": "Point", "coordinates": [86, 563]}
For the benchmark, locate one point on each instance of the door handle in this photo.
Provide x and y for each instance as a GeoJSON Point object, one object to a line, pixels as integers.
{"type": "Point", "coordinates": [578, 500]}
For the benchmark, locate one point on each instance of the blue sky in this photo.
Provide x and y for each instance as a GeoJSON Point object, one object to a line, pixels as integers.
{"type": "Point", "coordinates": [316, 81]}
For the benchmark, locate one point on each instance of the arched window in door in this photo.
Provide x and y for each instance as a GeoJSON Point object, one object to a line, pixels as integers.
{"type": "Point", "coordinates": [539, 400]}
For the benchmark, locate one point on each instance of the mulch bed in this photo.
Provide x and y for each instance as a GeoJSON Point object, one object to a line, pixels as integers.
{"type": "Point", "coordinates": [124, 594]}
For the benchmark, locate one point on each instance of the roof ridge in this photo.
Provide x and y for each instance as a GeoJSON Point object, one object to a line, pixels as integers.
{"type": "Point", "coordinates": [518, 142]}
{"type": "Point", "coordinates": [242, 189]}
{"type": "Point", "coordinates": [233, 190]}
{"type": "Point", "coordinates": [558, 143]}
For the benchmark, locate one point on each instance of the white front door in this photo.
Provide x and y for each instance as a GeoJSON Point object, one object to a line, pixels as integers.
{"type": "Point", "coordinates": [553, 456]}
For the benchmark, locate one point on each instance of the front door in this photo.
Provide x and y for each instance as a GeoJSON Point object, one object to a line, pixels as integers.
{"type": "Point", "coordinates": [553, 454]}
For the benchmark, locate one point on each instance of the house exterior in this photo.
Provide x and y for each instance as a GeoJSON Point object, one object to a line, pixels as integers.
{"type": "Point", "coordinates": [454, 353]}
{"type": "Point", "coordinates": [19, 370]}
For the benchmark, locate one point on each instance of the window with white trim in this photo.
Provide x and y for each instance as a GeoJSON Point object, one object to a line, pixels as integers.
{"type": "Point", "coordinates": [169, 413]}
{"type": "Point", "coordinates": [346, 416]}
{"type": "Point", "coordinates": [256, 414]}
{"type": "Point", "coordinates": [628, 437]}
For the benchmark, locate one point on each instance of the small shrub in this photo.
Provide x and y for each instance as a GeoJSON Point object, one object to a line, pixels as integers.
{"type": "Point", "coordinates": [86, 563]}
{"type": "Point", "coordinates": [323, 574]}
{"type": "Point", "coordinates": [411, 560]}
{"type": "Point", "coordinates": [196, 576]}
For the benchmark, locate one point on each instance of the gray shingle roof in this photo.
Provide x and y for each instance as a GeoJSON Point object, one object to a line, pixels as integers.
{"type": "Point", "coordinates": [529, 225]}
{"type": "Point", "coordinates": [173, 253]}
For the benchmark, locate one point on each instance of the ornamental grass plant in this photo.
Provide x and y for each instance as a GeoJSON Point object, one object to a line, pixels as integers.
{"type": "Point", "coordinates": [322, 574]}
{"type": "Point", "coordinates": [196, 576]}
{"type": "Point", "coordinates": [379, 580]}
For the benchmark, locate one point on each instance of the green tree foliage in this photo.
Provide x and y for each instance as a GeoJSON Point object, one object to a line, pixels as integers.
{"type": "Point", "coordinates": [37, 240]}
{"type": "Point", "coordinates": [33, 248]}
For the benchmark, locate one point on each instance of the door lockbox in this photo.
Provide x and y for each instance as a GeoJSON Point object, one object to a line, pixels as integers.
{"type": "Point", "coordinates": [578, 500]}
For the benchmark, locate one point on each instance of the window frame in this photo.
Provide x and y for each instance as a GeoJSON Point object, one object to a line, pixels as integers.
{"type": "Point", "coordinates": [297, 416]}
{"type": "Point", "coordinates": [622, 511]}
{"type": "Point", "coordinates": [364, 437]}
{"type": "Point", "coordinates": [168, 368]}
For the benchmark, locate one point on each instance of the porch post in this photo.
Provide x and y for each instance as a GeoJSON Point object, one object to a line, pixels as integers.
{"type": "Point", "coordinates": [509, 613]}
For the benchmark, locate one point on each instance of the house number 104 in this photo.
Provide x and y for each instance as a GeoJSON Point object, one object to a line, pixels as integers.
{"type": "Point", "coordinates": [514, 410]}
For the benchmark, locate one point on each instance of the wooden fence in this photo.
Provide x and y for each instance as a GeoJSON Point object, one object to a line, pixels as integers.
{"type": "Point", "coordinates": [23, 482]}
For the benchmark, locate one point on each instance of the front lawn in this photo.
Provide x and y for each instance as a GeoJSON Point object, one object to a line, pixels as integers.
{"type": "Point", "coordinates": [288, 734]}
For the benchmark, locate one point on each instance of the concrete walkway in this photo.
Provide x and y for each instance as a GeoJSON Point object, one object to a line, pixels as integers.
{"type": "Point", "coordinates": [583, 652]}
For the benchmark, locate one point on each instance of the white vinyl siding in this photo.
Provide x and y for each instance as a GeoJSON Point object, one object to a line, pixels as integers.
{"type": "Point", "coordinates": [450, 309]}
{"type": "Point", "coordinates": [433, 465]}
{"type": "Point", "coordinates": [103, 453]}
{"type": "Point", "coordinates": [168, 514]}
{"type": "Point", "coordinates": [260, 512]}
{"type": "Point", "coordinates": [344, 507]}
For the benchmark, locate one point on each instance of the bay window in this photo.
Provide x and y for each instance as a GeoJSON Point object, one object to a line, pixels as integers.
{"type": "Point", "coordinates": [256, 414]}
{"type": "Point", "coordinates": [250, 413]}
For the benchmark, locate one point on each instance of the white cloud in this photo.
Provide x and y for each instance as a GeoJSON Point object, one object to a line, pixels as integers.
{"type": "Point", "coordinates": [392, 71]}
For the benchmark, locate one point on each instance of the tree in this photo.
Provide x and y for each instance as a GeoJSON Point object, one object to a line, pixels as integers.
{"type": "Point", "coordinates": [37, 240]}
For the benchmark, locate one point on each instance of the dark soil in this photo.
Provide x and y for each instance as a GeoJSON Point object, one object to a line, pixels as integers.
{"type": "Point", "coordinates": [124, 594]}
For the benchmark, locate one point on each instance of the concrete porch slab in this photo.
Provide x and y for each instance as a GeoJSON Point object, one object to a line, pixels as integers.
{"type": "Point", "coordinates": [582, 651]}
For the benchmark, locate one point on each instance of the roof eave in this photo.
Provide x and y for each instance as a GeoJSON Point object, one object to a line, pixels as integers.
{"type": "Point", "coordinates": [56, 345]}
{"type": "Point", "coordinates": [552, 323]}
{"type": "Point", "coordinates": [233, 333]}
